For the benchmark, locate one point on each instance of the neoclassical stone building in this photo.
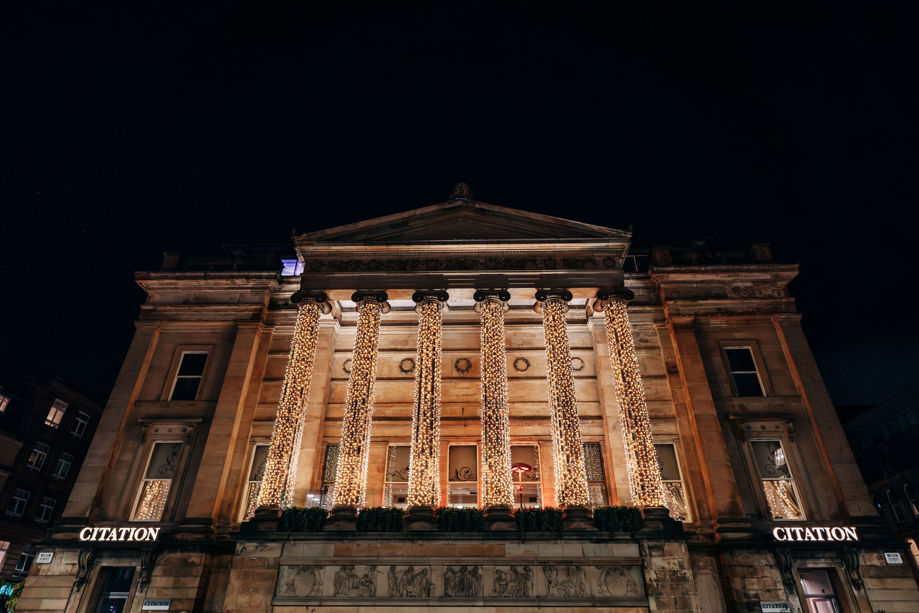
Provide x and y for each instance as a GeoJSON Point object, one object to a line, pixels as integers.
{"type": "Point", "coordinates": [470, 355]}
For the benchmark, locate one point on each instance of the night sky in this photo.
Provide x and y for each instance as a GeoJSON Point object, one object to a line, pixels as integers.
{"type": "Point", "coordinates": [129, 131]}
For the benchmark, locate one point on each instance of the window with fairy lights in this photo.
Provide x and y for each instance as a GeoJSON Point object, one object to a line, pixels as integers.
{"type": "Point", "coordinates": [596, 475]}
{"type": "Point", "coordinates": [778, 484]}
{"type": "Point", "coordinates": [254, 481]}
{"type": "Point", "coordinates": [463, 476]}
{"type": "Point", "coordinates": [162, 467]}
{"type": "Point", "coordinates": [527, 482]}
{"type": "Point", "coordinates": [672, 479]}
{"type": "Point", "coordinates": [395, 483]}
{"type": "Point", "coordinates": [329, 468]}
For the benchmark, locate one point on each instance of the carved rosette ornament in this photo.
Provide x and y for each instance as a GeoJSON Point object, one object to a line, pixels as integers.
{"type": "Point", "coordinates": [276, 489]}
{"type": "Point", "coordinates": [641, 459]}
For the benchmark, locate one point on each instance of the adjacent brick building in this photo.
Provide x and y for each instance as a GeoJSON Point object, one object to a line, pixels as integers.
{"type": "Point", "coordinates": [45, 429]}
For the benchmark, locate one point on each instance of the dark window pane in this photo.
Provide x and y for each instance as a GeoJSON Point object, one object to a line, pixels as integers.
{"type": "Point", "coordinates": [747, 384]}
{"type": "Point", "coordinates": [193, 364]}
{"type": "Point", "coordinates": [186, 389]}
{"type": "Point", "coordinates": [740, 359]}
{"type": "Point", "coordinates": [666, 456]}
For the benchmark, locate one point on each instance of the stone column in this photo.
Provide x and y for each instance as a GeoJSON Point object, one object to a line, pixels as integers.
{"type": "Point", "coordinates": [497, 482]}
{"type": "Point", "coordinates": [640, 455]}
{"type": "Point", "coordinates": [354, 449]}
{"type": "Point", "coordinates": [424, 460]}
{"type": "Point", "coordinates": [570, 476]}
{"type": "Point", "coordinates": [277, 487]}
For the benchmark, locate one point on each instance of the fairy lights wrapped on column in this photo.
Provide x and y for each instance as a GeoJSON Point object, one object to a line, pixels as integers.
{"type": "Point", "coordinates": [497, 484]}
{"type": "Point", "coordinates": [424, 458]}
{"type": "Point", "coordinates": [640, 455]}
{"type": "Point", "coordinates": [570, 476]}
{"type": "Point", "coordinates": [354, 448]}
{"type": "Point", "coordinates": [276, 490]}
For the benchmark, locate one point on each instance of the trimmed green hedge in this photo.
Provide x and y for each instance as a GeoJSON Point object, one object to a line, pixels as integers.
{"type": "Point", "coordinates": [379, 519]}
{"type": "Point", "coordinates": [539, 520]}
{"type": "Point", "coordinates": [617, 519]}
{"type": "Point", "coordinates": [303, 519]}
{"type": "Point", "coordinates": [459, 520]}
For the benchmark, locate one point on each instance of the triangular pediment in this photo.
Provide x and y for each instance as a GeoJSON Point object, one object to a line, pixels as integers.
{"type": "Point", "coordinates": [462, 220]}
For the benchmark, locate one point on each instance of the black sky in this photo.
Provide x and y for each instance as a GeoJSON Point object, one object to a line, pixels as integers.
{"type": "Point", "coordinates": [131, 130]}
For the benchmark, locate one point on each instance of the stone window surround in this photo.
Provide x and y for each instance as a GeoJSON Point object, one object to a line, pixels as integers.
{"type": "Point", "coordinates": [103, 561]}
{"type": "Point", "coordinates": [159, 431]}
{"type": "Point", "coordinates": [761, 371]}
{"type": "Point", "coordinates": [674, 439]}
{"type": "Point", "coordinates": [169, 383]}
{"type": "Point", "coordinates": [780, 428]}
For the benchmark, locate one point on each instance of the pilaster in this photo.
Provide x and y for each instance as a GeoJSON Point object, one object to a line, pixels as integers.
{"type": "Point", "coordinates": [216, 460]}
{"type": "Point", "coordinates": [721, 490]}
{"type": "Point", "coordinates": [832, 444]}
{"type": "Point", "coordinates": [107, 440]}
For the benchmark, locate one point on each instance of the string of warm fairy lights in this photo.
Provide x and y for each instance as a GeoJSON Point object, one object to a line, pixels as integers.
{"type": "Point", "coordinates": [640, 455]}
{"type": "Point", "coordinates": [570, 476]}
{"type": "Point", "coordinates": [497, 483]}
{"type": "Point", "coordinates": [277, 489]}
{"type": "Point", "coordinates": [424, 457]}
{"type": "Point", "coordinates": [354, 448]}
{"type": "Point", "coordinates": [153, 499]}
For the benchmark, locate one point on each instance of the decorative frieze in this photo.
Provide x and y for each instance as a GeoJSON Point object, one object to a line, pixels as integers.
{"type": "Point", "coordinates": [456, 584]}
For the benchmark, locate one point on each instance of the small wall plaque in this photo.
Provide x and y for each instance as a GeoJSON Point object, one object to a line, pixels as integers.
{"type": "Point", "coordinates": [44, 557]}
{"type": "Point", "coordinates": [893, 557]}
{"type": "Point", "coordinates": [156, 604]}
{"type": "Point", "coordinates": [775, 606]}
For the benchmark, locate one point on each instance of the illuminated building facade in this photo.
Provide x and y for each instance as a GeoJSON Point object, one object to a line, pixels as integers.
{"type": "Point", "coordinates": [471, 356]}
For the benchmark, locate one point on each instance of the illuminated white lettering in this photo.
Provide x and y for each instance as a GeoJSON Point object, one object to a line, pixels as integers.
{"type": "Point", "coordinates": [809, 535]}
{"type": "Point", "coordinates": [125, 533]}
{"type": "Point", "coordinates": [819, 533]}
{"type": "Point", "coordinates": [852, 534]}
{"type": "Point", "coordinates": [838, 534]}
{"type": "Point", "coordinates": [798, 532]}
{"type": "Point", "coordinates": [776, 532]}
